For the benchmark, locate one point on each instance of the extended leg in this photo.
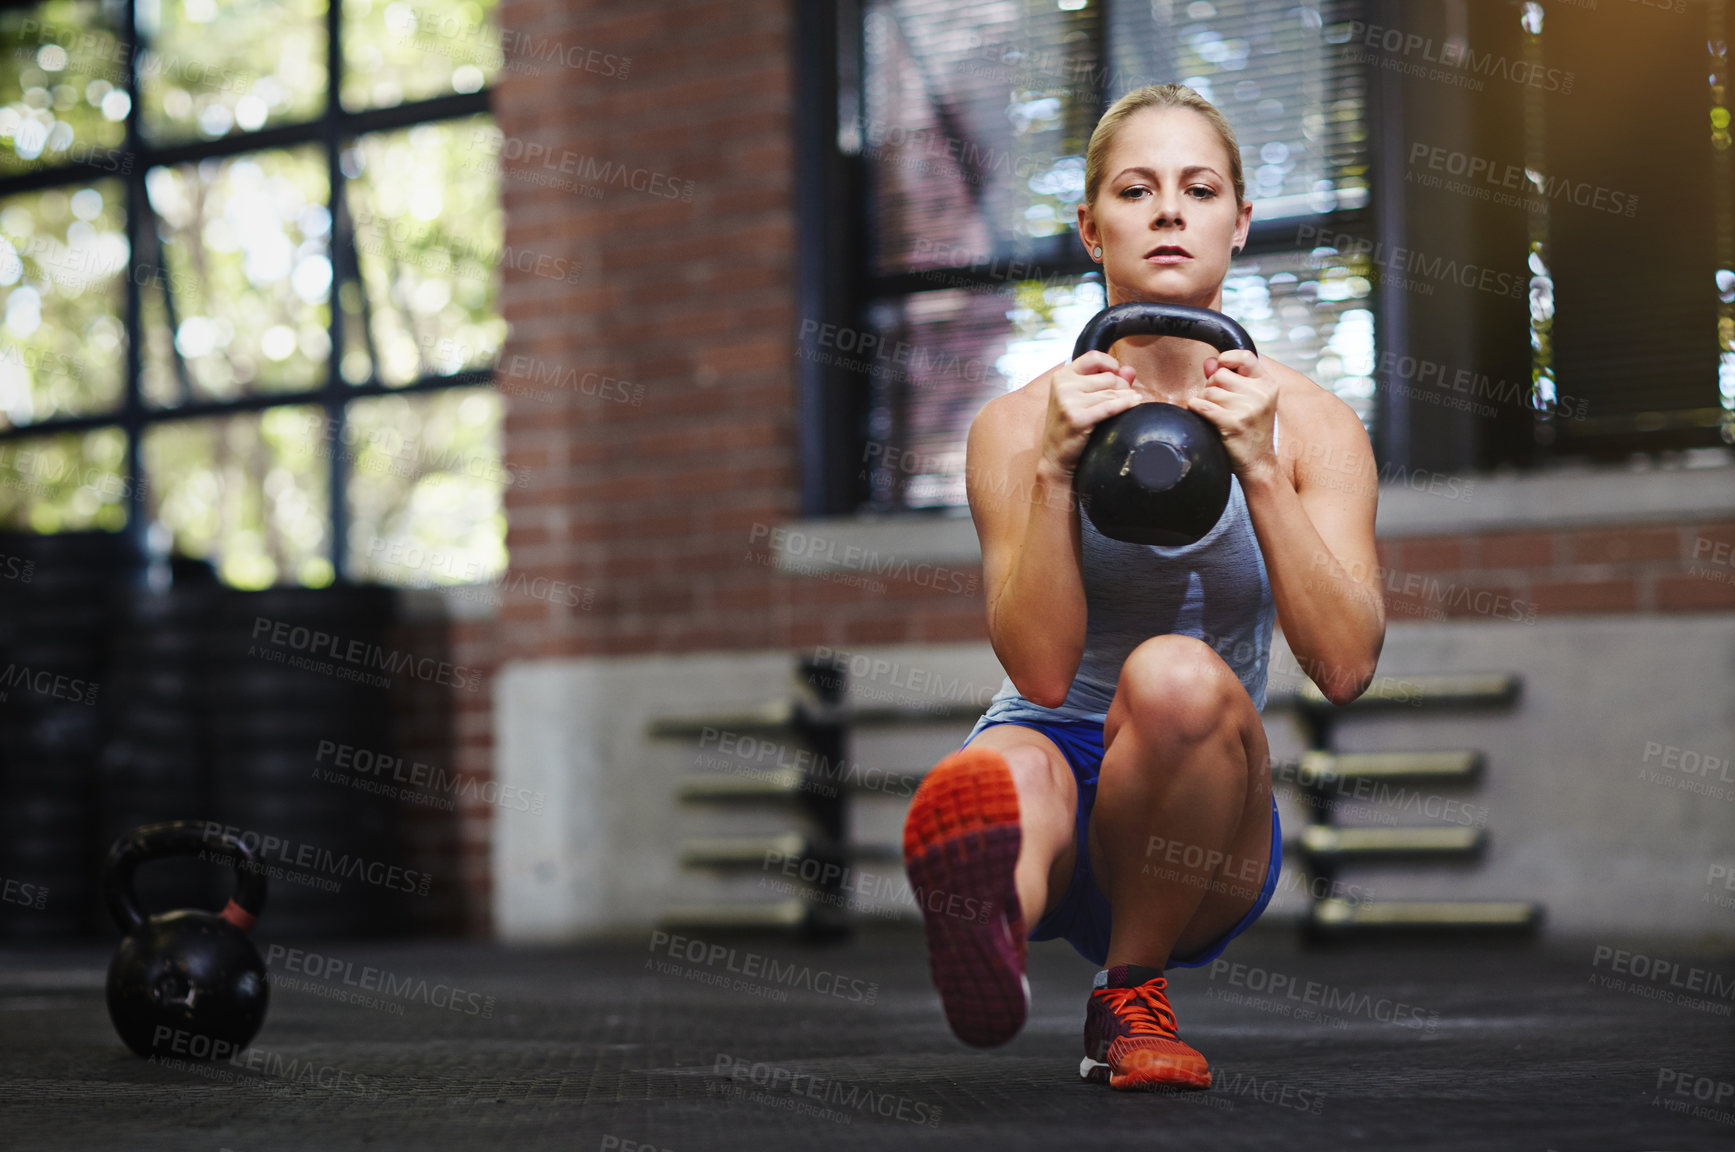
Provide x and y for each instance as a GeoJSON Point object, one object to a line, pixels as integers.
{"type": "Point", "coordinates": [988, 846]}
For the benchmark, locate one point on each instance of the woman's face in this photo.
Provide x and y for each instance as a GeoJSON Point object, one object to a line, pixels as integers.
{"type": "Point", "coordinates": [1165, 212]}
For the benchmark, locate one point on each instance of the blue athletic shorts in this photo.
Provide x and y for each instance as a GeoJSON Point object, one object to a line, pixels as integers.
{"type": "Point", "coordinates": [1083, 915]}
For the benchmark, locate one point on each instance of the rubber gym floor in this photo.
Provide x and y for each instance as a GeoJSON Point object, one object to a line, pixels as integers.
{"type": "Point", "coordinates": [746, 1043]}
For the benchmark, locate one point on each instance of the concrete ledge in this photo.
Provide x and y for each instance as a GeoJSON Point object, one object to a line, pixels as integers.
{"type": "Point", "coordinates": [871, 544]}
{"type": "Point", "coordinates": [1426, 505]}
{"type": "Point", "coordinates": [1565, 498]}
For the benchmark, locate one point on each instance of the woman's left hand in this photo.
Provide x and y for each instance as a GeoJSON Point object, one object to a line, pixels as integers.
{"type": "Point", "coordinates": [1240, 398]}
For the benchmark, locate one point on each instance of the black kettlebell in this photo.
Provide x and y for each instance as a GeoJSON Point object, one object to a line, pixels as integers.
{"type": "Point", "coordinates": [186, 984]}
{"type": "Point", "coordinates": [1155, 473]}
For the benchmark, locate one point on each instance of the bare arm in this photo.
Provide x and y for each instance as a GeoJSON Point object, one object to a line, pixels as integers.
{"type": "Point", "coordinates": [1018, 476]}
{"type": "Point", "coordinates": [1031, 565]}
{"type": "Point", "coordinates": [1317, 533]}
{"type": "Point", "coordinates": [1317, 537]}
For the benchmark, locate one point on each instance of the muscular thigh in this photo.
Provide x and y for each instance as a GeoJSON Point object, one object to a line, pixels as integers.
{"type": "Point", "coordinates": [1047, 798]}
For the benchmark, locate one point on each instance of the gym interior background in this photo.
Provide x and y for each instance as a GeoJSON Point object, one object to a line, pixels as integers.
{"type": "Point", "coordinates": [507, 458]}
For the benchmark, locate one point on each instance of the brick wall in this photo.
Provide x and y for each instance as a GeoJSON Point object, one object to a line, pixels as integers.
{"type": "Point", "coordinates": [445, 737]}
{"type": "Point", "coordinates": [645, 493]}
{"type": "Point", "coordinates": [1683, 567]}
{"type": "Point", "coordinates": [656, 498]}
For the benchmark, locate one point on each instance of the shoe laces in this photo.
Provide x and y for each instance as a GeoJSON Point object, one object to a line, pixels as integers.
{"type": "Point", "coordinates": [1143, 1009]}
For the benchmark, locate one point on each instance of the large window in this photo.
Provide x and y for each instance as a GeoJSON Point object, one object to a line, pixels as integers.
{"type": "Point", "coordinates": [968, 127]}
{"type": "Point", "coordinates": [1631, 325]}
{"type": "Point", "coordinates": [249, 282]}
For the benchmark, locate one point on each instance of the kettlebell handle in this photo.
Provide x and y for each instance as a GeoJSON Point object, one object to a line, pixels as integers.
{"type": "Point", "coordinates": [1152, 318]}
{"type": "Point", "coordinates": [181, 838]}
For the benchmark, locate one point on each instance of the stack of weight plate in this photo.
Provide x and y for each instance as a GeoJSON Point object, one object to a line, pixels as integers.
{"type": "Point", "coordinates": [332, 842]}
{"type": "Point", "coordinates": [157, 763]}
{"type": "Point", "coordinates": [56, 601]}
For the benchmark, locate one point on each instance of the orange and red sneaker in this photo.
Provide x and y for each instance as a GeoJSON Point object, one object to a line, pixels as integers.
{"type": "Point", "coordinates": [1130, 1035]}
{"type": "Point", "coordinates": [961, 842]}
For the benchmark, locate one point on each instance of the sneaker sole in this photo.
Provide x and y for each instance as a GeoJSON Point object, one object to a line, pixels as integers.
{"type": "Point", "coordinates": [1182, 1084]}
{"type": "Point", "coordinates": [1157, 1074]}
{"type": "Point", "coordinates": [1096, 1072]}
{"type": "Point", "coordinates": [961, 842]}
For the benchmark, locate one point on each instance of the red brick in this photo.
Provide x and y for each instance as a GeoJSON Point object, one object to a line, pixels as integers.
{"type": "Point", "coordinates": [536, 459]}
{"type": "Point", "coordinates": [1553, 598]}
{"type": "Point", "coordinates": [1400, 609]}
{"type": "Point", "coordinates": [755, 594]}
{"type": "Point", "coordinates": [546, 495]}
{"type": "Point", "coordinates": [1515, 550]}
{"type": "Point", "coordinates": [695, 91]}
{"type": "Point", "coordinates": [626, 568]}
{"type": "Point", "coordinates": [1618, 545]}
{"type": "Point", "coordinates": [1433, 553]}
{"type": "Point", "coordinates": [1712, 589]}
{"type": "Point", "coordinates": [879, 630]}
{"type": "Point", "coordinates": [649, 525]}
{"type": "Point", "coordinates": [953, 628]}
{"type": "Point", "coordinates": [521, 611]}
{"type": "Point", "coordinates": [1498, 602]}
{"type": "Point", "coordinates": [526, 535]}
{"type": "Point", "coordinates": [1712, 543]}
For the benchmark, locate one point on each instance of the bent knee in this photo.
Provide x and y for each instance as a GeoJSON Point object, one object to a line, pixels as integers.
{"type": "Point", "coordinates": [1038, 772]}
{"type": "Point", "coordinates": [1179, 687]}
{"type": "Point", "coordinates": [1046, 789]}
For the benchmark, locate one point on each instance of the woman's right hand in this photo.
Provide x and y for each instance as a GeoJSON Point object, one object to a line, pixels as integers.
{"type": "Point", "coordinates": [1081, 395]}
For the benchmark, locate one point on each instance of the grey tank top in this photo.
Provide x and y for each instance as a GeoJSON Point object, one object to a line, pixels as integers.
{"type": "Point", "coordinates": [1215, 590]}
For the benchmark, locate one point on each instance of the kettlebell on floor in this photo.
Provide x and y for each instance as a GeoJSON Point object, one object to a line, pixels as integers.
{"type": "Point", "coordinates": [185, 984]}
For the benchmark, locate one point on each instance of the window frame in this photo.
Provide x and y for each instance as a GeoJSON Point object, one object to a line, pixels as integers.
{"type": "Point", "coordinates": [333, 129]}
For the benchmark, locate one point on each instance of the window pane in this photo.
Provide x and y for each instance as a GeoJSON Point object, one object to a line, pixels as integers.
{"type": "Point", "coordinates": [952, 351]}
{"type": "Point", "coordinates": [246, 492]}
{"type": "Point", "coordinates": [63, 256]}
{"type": "Point", "coordinates": [425, 488]}
{"type": "Point", "coordinates": [62, 87]}
{"type": "Point", "coordinates": [1313, 312]}
{"type": "Point", "coordinates": [393, 51]}
{"type": "Point", "coordinates": [428, 232]}
{"type": "Point", "coordinates": [212, 67]}
{"type": "Point", "coordinates": [246, 268]}
{"type": "Point", "coordinates": [977, 118]}
{"type": "Point", "coordinates": [65, 483]}
{"type": "Point", "coordinates": [1276, 71]}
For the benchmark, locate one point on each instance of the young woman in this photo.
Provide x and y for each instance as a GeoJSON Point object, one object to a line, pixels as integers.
{"type": "Point", "coordinates": [1117, 793]}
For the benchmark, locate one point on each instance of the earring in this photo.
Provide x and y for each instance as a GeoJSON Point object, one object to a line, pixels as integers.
{"type": "Point", "coordinates": [1097, 252]}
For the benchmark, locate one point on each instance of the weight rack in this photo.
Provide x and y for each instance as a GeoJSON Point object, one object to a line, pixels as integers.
{"type": "Point", "coordinates": [817, 717]}
{"type": "Point", "coordinates": [1326, 847]}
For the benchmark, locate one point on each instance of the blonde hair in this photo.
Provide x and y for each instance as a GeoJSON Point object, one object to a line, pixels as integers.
{"type": "Point", "coordinates": [1156, 96]}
